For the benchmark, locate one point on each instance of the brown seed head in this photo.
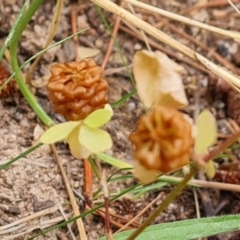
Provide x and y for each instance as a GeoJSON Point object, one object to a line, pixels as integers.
{"type": "Point", "coordinates": [11, 87]}
{"type": "Point", "coordinates": [77, 88]}
{"type": "Point", "coordinates": [163, 140]}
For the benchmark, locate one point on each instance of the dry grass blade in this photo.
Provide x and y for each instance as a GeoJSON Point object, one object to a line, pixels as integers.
{"type": "Point", "coordinates": [210, 52]}
{"type": "Point", "coordinates": [176, 17]}
{"type": "Point", "coordinates": [134, 32]}
{"type": "Point", "coordinates": [215, 3]}
{"type": "Point", "coordinates": [44, 224]}
{"type": "Point", "coordinates": [75, 207]}
{"type": "Point", "coordinates": [234, 7]}
{"type": "Point", "coordinates": [207, 184]}
{"type": "Point", "coordinates": [66, 219]}
{"type": "Point", "coordinates": [23, 220]}
{"type": "Point", "coordinates": [55, 22]}
{"type": "Point", "coordinates": [161, 36]}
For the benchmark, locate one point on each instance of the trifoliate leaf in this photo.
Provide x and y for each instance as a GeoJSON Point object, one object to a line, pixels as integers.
{"type": "Point", "coordinates": [206, 132]}
{"type": "Point", "coordinates": [158, 80]}
{"type": "Point", "coordinates": [94, 139]}
{"type": "Point", "coordinates": [98, 118]}
{"type": "Point", "coordinates": [58, 132]}
{"type": "Point", "coordinates": [77, 150]}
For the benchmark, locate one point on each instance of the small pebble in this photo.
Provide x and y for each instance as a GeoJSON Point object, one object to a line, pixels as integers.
{"type": "Point", "coordinates": [76, 184]}
{"type": "Point", "coordinates": [24, 122]}
{"type": "Point", "coordinates": [99, 43]}
{"type": "Point", "coordinates": [137, 46]}
{"type": "Point", "coordinates": [131, 106]}
{"type": "Point", "coordinates": [219, 104]}
{"type": "Point", "coordinates": [12, 138]}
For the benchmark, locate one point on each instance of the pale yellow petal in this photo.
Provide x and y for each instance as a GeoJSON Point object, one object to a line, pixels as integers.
{"type": "Point", "coordinates": [143, 174]}
{"type": "Point", "coordinates": [210, 169]}
{"type": "Point", "coordinates": [98, 118]}
{"type": "Point", "coordinates": [77, 150]}
{"type": "Point", "coordinates": [206, 132]}
{"type": "Point", "coordinates": [58, 132]}
{"type": "Point", "coordinates": [94, 139]}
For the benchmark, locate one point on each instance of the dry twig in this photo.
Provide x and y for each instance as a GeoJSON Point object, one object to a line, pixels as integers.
{"type": "Point", "coordinates": [70, 194]}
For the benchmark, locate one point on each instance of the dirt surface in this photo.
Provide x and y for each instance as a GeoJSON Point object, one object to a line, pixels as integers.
{"type": "Point", "coordinates": [32, 193]}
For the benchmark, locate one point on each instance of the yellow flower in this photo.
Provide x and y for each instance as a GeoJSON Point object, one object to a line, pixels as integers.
{"type": "Point", "coordinates": [84, 137]}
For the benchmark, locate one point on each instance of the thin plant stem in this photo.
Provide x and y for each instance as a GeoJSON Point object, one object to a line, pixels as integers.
{"type": "Point", "coordinates": [75, 206]}
{"type": "Point", "coordinates": [118, 49]}
{"type": "Point", "coordinates": [15, 67]}
{"type": "Point", "coordinates": [170, 197]}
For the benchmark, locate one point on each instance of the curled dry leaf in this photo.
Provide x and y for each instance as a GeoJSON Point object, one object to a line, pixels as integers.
{"type": "Point", "coordinates": [158, 80]}
{"type": "Point", "coordinates": [163, 141]}
{"type": "Point", "coordinates": [77, 88]}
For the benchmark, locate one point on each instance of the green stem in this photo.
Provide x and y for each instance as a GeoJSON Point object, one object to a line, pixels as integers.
{"type": "Point", "coordinates": [26, 17]}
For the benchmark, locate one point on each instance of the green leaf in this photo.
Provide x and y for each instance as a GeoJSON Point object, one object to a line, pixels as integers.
{"type": "Point", "coordinates": [58, 132]}
{"type": "Point", "coordinates": [94, 139]}
{"type": "Point", "coordinates": [114, 161]}
{"type": "Point", "coordinates": [187, 229]}
{"type": "Point", "coordinates": [206, 132]}
{"type": "Point", "coordinates": [98, 118]}
{"type": "Point", "coordinates": [77, 150]}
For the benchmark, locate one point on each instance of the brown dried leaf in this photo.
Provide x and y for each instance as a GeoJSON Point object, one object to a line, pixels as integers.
{"type": "Point", "coordinates": [158, 80]}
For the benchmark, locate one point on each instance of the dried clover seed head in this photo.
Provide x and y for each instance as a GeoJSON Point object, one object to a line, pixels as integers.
{"type": "Point", "coordinates": [11, 87]}
{"type": "Point", "coordinates": [77, 89]}
{"type": "Point", "coordinates": [163, 140]}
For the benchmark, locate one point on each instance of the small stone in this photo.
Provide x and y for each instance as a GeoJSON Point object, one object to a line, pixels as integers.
{"type": "Point", "coordinates": [99, 43]}
{"type": "Point", "coordinates": [131, 106]}
{"type": "Point", "coordinates": [12, 138]}
{"type": "Point", "coordinates": [137, 46]}
{"type": "Point", "coordinates": [24, 122]}
{"type": "Point", "coordinates": [76, 184]}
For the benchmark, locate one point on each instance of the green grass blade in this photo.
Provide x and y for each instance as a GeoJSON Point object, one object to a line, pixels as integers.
{"type": "Point", "coordinates": [10, 35]}
{"type": "Point", "coordinates": [187, 229]}
{"type": "Point", "coordinates": [124, 99]}
{"type": "Point", "coordinates": [3, 166]}
{"type": "Point", "coordinates": [113, 161]}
